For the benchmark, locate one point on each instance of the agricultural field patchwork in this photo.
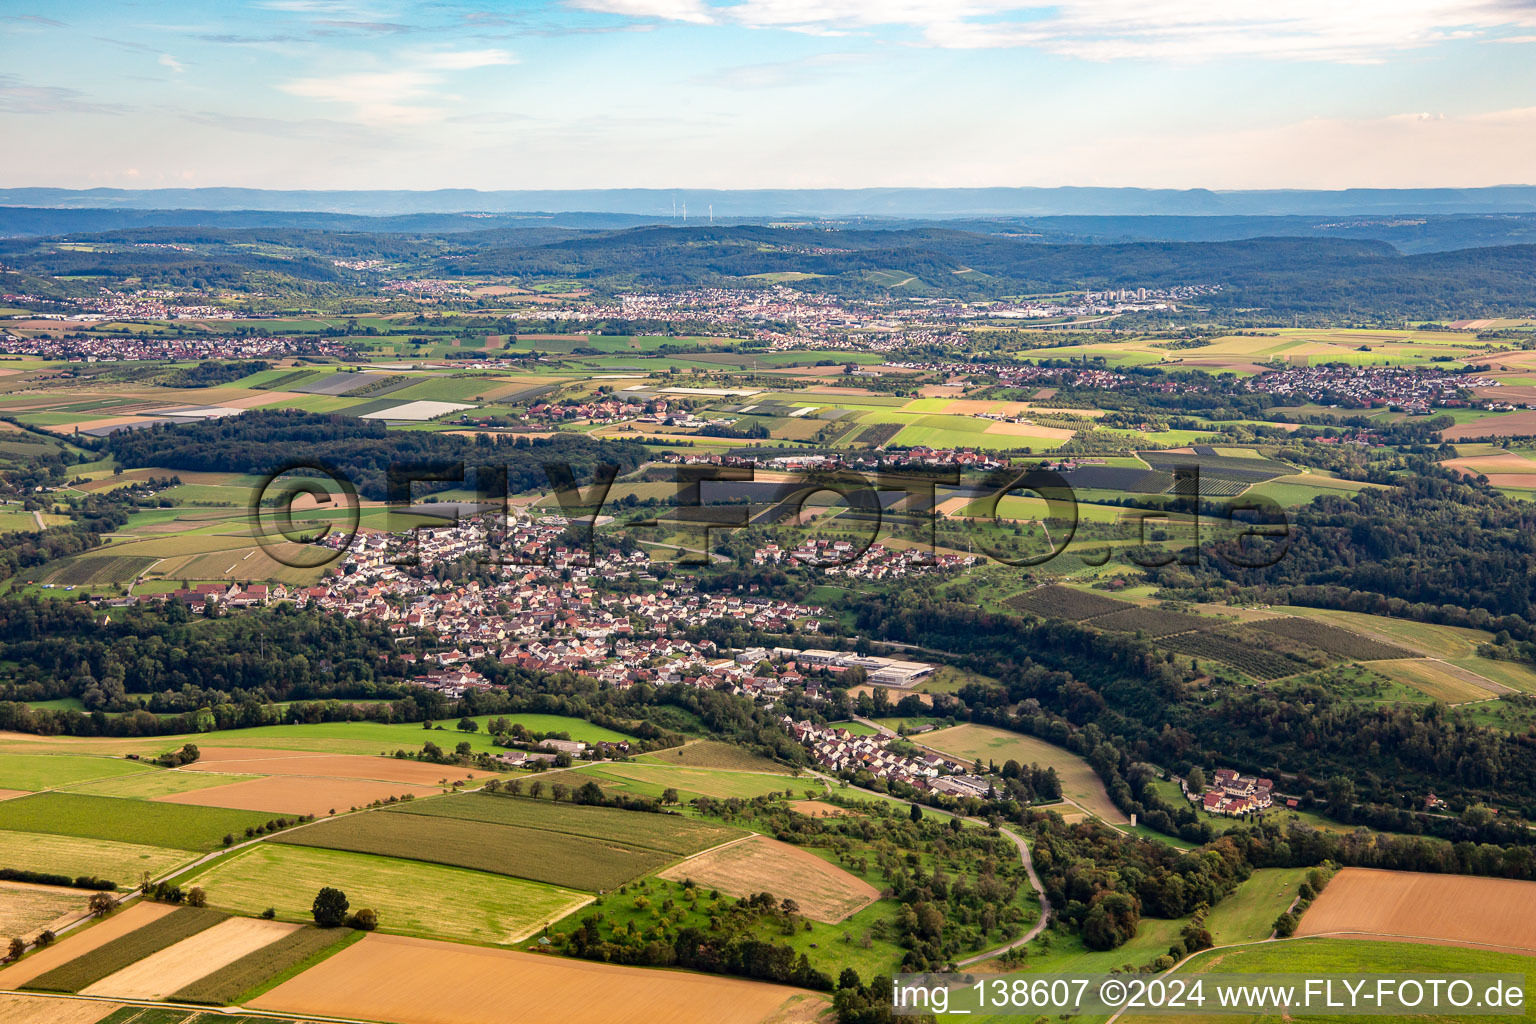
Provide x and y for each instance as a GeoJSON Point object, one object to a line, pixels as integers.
{"type": "Point", "coordinates": [126, 951]}
{"type": "Point", "coordinates": [299, 948]}
{"type": "Point", "coordinates": [159, 974]}
{"type": "Point", "coordinates": [410, 896]}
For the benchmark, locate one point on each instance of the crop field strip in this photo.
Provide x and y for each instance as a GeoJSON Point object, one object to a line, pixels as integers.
{"type": "Point", "coordinates": [122, 820]}
{"type": "Point", "coordinates": [233, 982]}
{"type": "Point", "coordinates": [158, 975]}
{"type": "Point", "coordinates": [71, 855]}
{"type": "Point", "coordinates": [96, 964]}
{"type": "Point", "coordinates": [36, 772]}
{"type": "Point", "coordinates": [577, 862]}
{"type": "Point", "coordinates": [666, 833]}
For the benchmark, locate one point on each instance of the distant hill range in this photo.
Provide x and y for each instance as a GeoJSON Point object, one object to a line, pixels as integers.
{"type": "Point", "coordinates": [903, 203]}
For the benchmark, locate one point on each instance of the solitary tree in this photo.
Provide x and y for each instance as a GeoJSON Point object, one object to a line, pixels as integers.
{"type": "Point", "coordinates": [917, 813]}
{"type": "Point", "coordinates": [100, 904]}
{"type": "Point", "coordinates": [330, 907]}
{"type": "Point", "coordinates": [196, 897]}
{"type": "Point", "coordinates": [364, 920]}
{"type": "Point", "coordinates": [468, 724]}
{"type": "Point", "coordinates": [18, 947]}
{"type": "Point", "coordinates": [669, 796]}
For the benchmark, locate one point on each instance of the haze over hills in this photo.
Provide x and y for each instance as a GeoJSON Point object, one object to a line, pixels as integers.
{"type": "Point", "coordinates": [839, 203]}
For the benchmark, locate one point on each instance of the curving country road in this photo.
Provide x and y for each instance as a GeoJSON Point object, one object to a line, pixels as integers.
{"type": "Point", "coordinates": [1024, 858]}
{"type": "Point", "coordinates": [1045, 905]}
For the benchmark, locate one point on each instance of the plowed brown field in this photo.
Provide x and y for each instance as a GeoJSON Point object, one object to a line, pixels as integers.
{"type": "Point", "coordinates": [421, 981]}
{"type": "Point", "coordinates": [1450, 909]}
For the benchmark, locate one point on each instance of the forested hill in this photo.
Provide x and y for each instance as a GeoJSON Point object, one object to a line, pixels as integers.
{"type": "Point", "coordinates": [1284, 274]}
{"type": "Point", "coordinates": [364, 451]}
{"type": "Point", "coordinates": [1279, 275]}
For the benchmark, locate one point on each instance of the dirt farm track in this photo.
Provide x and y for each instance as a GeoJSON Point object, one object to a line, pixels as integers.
{"type": "Point", "coordinates": [421, 981]}
{"type": "Point", "coordinates": [1453, 910]}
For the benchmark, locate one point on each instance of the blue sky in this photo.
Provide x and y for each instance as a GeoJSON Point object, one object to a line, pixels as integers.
{"type": "Point", "coordinates": [768, 93]}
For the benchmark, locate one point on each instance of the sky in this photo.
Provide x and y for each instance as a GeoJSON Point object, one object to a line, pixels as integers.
{"type": "Point", "coordinates": [362, 94]}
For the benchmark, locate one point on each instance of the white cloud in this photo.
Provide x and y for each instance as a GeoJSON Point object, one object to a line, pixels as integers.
{"type": "Point", "coordinates": [1356, 31]}
{"type": "Point", "coordinates": [462, 60]}
{"type": "Point", "coordinates": [167, 61]}
{"type": "Point", "coordinates": [401, 95]}
{"type": "Point", "coordinates": [694, 11]}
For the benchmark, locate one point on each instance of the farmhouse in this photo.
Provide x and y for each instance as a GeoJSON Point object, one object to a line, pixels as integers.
{"type": "Point", "coordinates": [1232, 793]}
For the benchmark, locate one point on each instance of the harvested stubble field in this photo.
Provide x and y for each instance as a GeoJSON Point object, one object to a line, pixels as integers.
{"type": "Point", "coordinates": [15, 1009]}
{"type": "Point", "coordinates": [301, 948]}
{"type": "Point", "coordinates": [824, 891]}
{"type": "Point", "coordinates": [297, 794]}
{"type": "Point", "coordinates": [80, 943]}
{"type": "Point", "coordinates": [579, 862]}
{"type": "Point", "coordinates": [1341, 642]}
{"type": "Point", "coordinates": [26, 909]}
{"type": "Point", "coordinates": [1066, 603]}
{"type": "Point", "coordinates": [119, 820]}
{"type": "Point", "coordinates": [410, 896]}
{"type": "Point", "coordinates": [1437, 679]}
{"type": "Point", "coordinates": [70, 855]}
{"type": "Point", "coordinates": [1451, 909]}
{"type": "Point", "coordinates": [419, 981]}
{"type": "Point", "coordinates": [668, 833]}
{"type": "Point", "coordinates": [335, 766]}
{"type": "Point", "coordinates": [159, 974]}
{"type": "Point", "coordinates": [1079, 782]}
{"type": "Point", "coordinates": [126, 950]}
